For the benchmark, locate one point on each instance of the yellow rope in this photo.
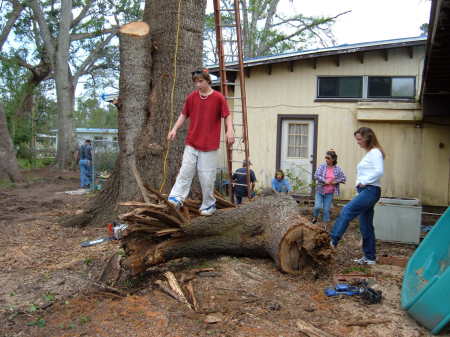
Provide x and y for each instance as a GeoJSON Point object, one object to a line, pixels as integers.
{"type": "Point", "coordinates": [172, 96]}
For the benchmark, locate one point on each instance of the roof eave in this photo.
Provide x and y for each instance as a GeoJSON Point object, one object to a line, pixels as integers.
{"type": "Point", "coordinates": [323, 53]}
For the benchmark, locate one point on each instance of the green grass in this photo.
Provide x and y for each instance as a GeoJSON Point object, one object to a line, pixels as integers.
{"type": "Point", "coordinates": [25, 163]}
{"type": "Point", "coordinates": [84, 319]}
{"type": "Point", "coordinates": [49, 297]}
{"type": "Point", "coordinates": [7, 184]}
{"type": "Point", "coordinates": [88, 261]}
{"type": "Point", "coordinates": [39, 322]}
{"type": "Point", "coordinates": [357, 269]}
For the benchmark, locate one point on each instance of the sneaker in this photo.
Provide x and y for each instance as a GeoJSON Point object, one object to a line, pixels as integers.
{"type": "Point", "coordinates": [208, 211]}
{"type": "Point", "coordinates": [365, 260]}
{"type": "Point", "coordinates": [332, 245]}
{"type": "Point", "coordinates": [175, 201]}
{"type": "Point", "coordinates": [314, 219]}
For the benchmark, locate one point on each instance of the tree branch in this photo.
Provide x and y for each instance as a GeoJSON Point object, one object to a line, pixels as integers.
{"type": "Point", "coordinates": [300, 28]}
{"type": "Point", "coordinates": [270, 14]}
{"type": "Point", "coordinates": [301, 18]}
{"type": "Point", "coordinates": [82, 14]}
{"type": "Point", "coordinates": [83, 36]}
{"type": "Point", "coordinates": [44, 30]}
{"type": "Point", "coordinates": [20, 61]}
{"type": "Point", "coordinates": [12, 18]}
{"type": "Point", "coordinates": [93, 56]}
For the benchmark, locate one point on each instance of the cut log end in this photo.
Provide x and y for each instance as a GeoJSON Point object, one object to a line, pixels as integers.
{"type": "Point", "coordinates": [138, 28]}
{"type": "Point", "coordinates": [290, 254]}
{"type": "Point", "coordinates": [302, 247]}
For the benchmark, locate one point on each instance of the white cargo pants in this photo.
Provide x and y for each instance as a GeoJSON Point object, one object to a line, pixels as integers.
{"type": "Point", "coordinates": [206, 164]}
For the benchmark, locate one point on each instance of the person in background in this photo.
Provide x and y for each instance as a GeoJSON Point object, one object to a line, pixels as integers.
{"type": "Point", "coordinates": [279, 183]}
{"type": "Point", "coordinates": [205, 109]}
{"type": "Point", "coordinates": [85, 163]}
{"type": "Point", "coordinates": [240, 182]}
{"type": "Point", "coordinates": [369, 172]}
{"type": "Point", "coordinates": [328, 176]}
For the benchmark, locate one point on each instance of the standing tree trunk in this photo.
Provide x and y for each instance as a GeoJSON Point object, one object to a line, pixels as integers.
{"type": "Point", "coordinates": [64, 89]}
{"type": "Point", "coordinates": [155, 77]}
{"type": "Point", "coordinates": [8, 162]}
{"type": "Point", "coordinates": [65, 100]}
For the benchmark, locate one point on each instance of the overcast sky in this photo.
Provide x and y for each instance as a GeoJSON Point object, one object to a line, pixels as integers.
{"type": "Point", "coordinates": [369, 20]}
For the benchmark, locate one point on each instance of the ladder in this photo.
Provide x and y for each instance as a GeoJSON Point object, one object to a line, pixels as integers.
{"type": "Point", "coordinates": [233, 63]}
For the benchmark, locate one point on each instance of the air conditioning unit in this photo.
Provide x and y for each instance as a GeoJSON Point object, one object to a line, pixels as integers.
{"type": "Point", "coordinates": [398, 220]}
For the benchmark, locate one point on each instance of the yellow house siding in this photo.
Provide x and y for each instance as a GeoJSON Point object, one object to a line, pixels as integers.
{"type": "Point", "coordinates": [402, 144]}
{"type": "Point", "coordinates": [409, 148]}
{"type": "Point", "coordinates": [436, 164]}
{"type": "Point", "coordinates": [389, 111]}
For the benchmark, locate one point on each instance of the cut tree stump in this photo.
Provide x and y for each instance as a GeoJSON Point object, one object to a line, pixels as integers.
{"type": "Point", "coordinates": [271, 226]}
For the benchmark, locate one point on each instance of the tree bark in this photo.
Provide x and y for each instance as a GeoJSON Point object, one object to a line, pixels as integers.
{"type": "Point", "coordinates": [154, 81]}
{"type": "Point", "coordinates": [8, 162]}
{"type": "Point", "coordinates": [65, 90]}
{"type": "Point", "coordinates": [268, 227]}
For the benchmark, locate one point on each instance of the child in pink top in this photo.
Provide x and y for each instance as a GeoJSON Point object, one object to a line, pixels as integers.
{"type": "Point", "coordinates": [328, 177]}
{"type": "Point", "coordinates": [329, 187]}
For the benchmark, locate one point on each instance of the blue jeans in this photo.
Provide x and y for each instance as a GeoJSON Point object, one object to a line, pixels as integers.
{"type": "Point", "coordinates": [323, 201]}
{"type": "Point", "coordinates": [361, 205]}
{"type": "Point", "coordinates": [85, 172]}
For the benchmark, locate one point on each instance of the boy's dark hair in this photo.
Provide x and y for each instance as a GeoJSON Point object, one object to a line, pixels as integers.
{"type": "Point", "coordinates": [333, 156]}
{"type": "Point", "coordinates": [88, 141]}
{"type": "Point", "coordinates": [201, 74]}
{"type": "Point", "coordinates": [246, 163]}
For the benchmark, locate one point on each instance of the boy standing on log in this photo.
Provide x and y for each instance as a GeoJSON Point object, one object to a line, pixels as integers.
{"type": "Point", "coordinates": [205, 108]}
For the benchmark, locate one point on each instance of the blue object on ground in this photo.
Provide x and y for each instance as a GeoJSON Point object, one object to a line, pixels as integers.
{"type": "Point", "coordinates": [426, 281]}
{"type": "Point", "coordinates": [426, 229]}
{"type": "Point", "coordinates": [342, 289]}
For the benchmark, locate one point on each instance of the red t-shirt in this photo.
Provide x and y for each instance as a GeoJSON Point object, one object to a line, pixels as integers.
{"type": "Point", "coordinates": [205, 117]}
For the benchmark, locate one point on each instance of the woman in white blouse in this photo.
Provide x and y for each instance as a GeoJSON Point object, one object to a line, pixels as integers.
{"type": "Point", "coordinates": [369, 172]}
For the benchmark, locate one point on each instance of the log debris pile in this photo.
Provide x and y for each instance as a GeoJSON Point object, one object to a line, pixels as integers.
{"type": "Point", "coordinates": [271, 226]}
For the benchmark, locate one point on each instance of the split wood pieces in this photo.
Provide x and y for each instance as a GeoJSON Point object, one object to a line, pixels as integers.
{"type": "Point", "coordinates": [156, 209]}
{"type": "Point", "coordinates": [310, 330]}
{"type": "Point", "coordinates": [184, 294]}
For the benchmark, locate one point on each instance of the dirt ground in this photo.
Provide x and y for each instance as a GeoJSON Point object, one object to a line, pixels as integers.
{"type": "Point", "coordinates": [48, 282]}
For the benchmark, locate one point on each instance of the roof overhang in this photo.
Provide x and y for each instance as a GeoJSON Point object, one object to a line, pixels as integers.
{"type": "Point", "coordinates": [435, 91]}
{"type": "Point", "coordinates": [332, 51]}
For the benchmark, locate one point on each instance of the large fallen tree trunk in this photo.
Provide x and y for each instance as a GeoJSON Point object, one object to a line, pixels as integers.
{"type": "Point", "coordinates": [270, 226]}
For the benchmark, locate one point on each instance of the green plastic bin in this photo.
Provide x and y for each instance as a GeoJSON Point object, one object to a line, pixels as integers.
{"type": "Point", "coordinates": [426, 281]}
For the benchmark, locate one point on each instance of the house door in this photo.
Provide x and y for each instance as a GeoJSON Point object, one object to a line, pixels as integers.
{"type": "Point", "coordinates": [297, 151]}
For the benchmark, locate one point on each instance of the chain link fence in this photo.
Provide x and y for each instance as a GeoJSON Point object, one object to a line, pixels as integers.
{"type": "Point", "coordinates": [104, 155]}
